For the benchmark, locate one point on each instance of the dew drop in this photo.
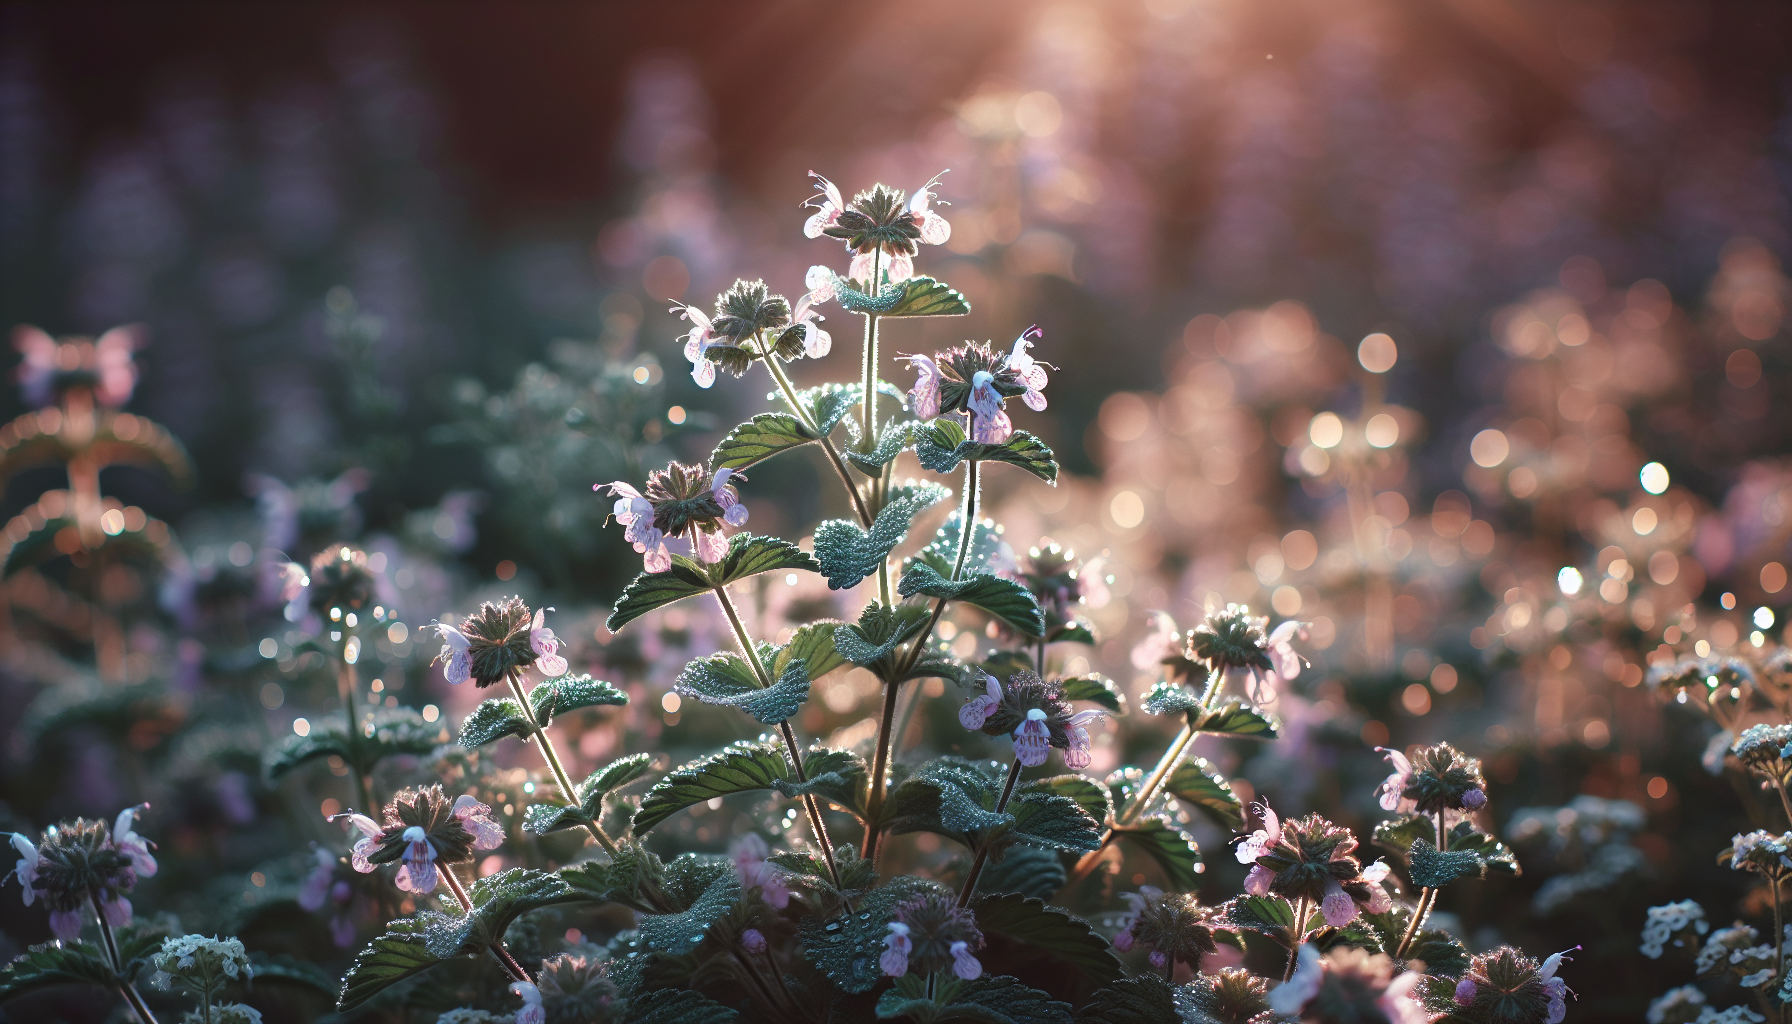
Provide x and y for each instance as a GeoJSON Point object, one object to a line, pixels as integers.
{"type": "Point", "coordinates": [833, 926]}
{"type": "Point", "coordinates": [865, 916]}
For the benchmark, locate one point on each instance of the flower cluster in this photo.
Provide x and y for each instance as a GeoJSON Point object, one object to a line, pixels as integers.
{"type": "Point", "coordinates": [1309, 859]}
{"type": "Point", "coordinates": [421, 829]}
{"type": "Point", "coordinates": [1233, 641]}
{"type": "Point", "coordinates": [978, 381]}
{"type": "Point", "coordinates": [1761, 852]}
{"type": "Point", "coordinates": [1668, 921]}
{"type": "Point", "coordinates": [498, 640]}
{"type": "Point", "coordinates": [751, 323]}
{"type": "Point", "coordinates": [1763, 750]}
{"type": "Point", "coordinates": [749, 853]}
{"type": "Point", "coordinates": [1033, 712]}
{"type": "Point", "coordinates": [1435, 779]}
{"type": "Point", "coordinates": [878, 224]}
{"type": "Point", "coordinates": [1505, 985]}
{"type": "Point", "coordinates": [103, 367]}
{"type": "Point", "coordinates": [1175, 927]}
{"type": "Point", "coordinates": [683, 511]}
{"type": "Point", "coordinates": [1349, 985]}
{"type": "Point", "coordinates": [1052, 574]}
{"type": "Point", "coordinates": [83, 864]}
{"type": "Point", "coordinates": [931, 933]}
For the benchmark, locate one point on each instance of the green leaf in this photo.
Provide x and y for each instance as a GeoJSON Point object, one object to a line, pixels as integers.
{"type": "Point", "coordinates": [1195, 781]}
{"type": "Point", "coordinates": [569, 693]}
{"type": "Point", "coordinates": [848, 554]}
{"type": "Point", "coordinates": [941, 446]}
{"type": "Point", "coordinates": [829, 403]}
{"type": "Point", "coordinates": [1146, 999]}
{"type": "Point", "coordinates": [924, 296]}
{"type": "Point", "coordinates": [1029, 921]}
{"type": "Point", "coordinates": [678, 934]}
{"type": "Point", "coordinates": [1398, 834]}
{"type": "Point", "coordinates": [1235, 718]}
{"type": "Point", "coordinates": [846, 948]}
{"type": "Point", "coordinates": [494, 719]}
{"type": "Point", "coordinates": [1089, 795]}
{"type": "Point", "coordinates": [725, 679]}
{"type": "Point", "coordinates": [1004, 598]}
{"type": "Point", "coordinates": [948, 795]}
{"type": "Point", "coordinates": [836, 776]}
{"type": "Point", "coordinates": [1434, 870]}
{"type": "Point", "coordinates": [1494, 854]}
{"type": "Point", "coordinates": [890, 443]}
{"type": "Point", "coordinates": [1098, 690]}
{"type": "Point", "coordinates": [394, 731]}
{"type": "Point", "coordinates": [542, 819]}
{"type": "Point", "coordinates": [652, 590]}
{"type": "Point", "coordinates": [324, 740]}
{"type": "Point", "coordinates": [1054, 820]}
{"type": "Point", "coordinates": [74, 963]}
{"type": "Point", "coordinates": [398, 954]}
{"type": "Point", "coordinates": [1173, 849]}
{"type": "Point", "coordinates": [814, 645]}
{"type": "Point", "coordinates": [1442, 953]}
{"type": "Point", "coordinates": [1270, 915]}
{"type": "Point", "coordinates": [879, 631]}
{"type": "Point", "coordinates": [614, 776]}
{"type": "Point", "coordinates": [760, 438]}
{"type": "Point", "coordinates": [1167, 698]}
{"type": "Point", "coordinates": [621, 879]}
{"type": "Point", "coordinates": [1027, 870]}
{"type": "Point", "coordinates": [740, 768]}
{"type": "Point", "coordinates": [988, 1000]}
{"type": "Point", "coordinates": [749, 556]}
{"type": "Point", "coordinates": [1072, 633]}
{"type": "Point", "coordinates": [942, 551]}
{"type": "Point", "coordinates": [497, 901]}
{"type": "Point", "coordinates": [677, 1006]}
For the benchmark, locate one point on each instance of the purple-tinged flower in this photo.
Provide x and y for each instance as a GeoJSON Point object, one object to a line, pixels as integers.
{"type": "Point", "coordinates": [1170, 925]}
{"type": "Point", "coordinates": [1135, 903]}
{"type": "Point", "coordinates": [1256, 880]}
{"type": "Point", "coordinates": [1555, 988]}
{"type": "Point", "coordinates": [1159, 960]}
{"type": "Point", "coordinates": [1379, 900]}
{"type": "Point", "coordinates": [475, 817]}
{"type": "Point", "coordinates": [964, 964]}
{"type": "Point", "coordinates": [546, 646]}
{"type": "Point", "coordinates": [316, 887]}
{"type": "Point", "coordinates": [683, 511]}
{"type": "Point", "coordinates": [933, 227]}
{"type": "Point", "coordinates": [1282, 655]}
{"type": "Point", "coordinates": [370, 840]}
{"type": "Point", "coordinates": [816, 342]}
{"type": "Point", "coordinates": [1032, 739]}
{"type": "Point", "coordinates": [989, 423]}
{"type": "Point", "coordinates": [532, 1011]}
{"type": "Point", "coordinates": [1078, 754]}
{"type": "Point", "coordinates": [1302, 985]}
{"type": "Point", "coordinates": [1466, 990]}
{"type": "Point", "coordinates": [1474, 799]}
{"type": "Point", "coordinates": [1311, 861]}
{"type": "Point", "coordinates": [1028, 369]}
{"type": "Point", "coordinates": [417, 867]}
{"type": "Point", "coordinates": [734, 512]}
{"type": "Point", "coordinates": [1348, 984]}
{"type": "Point", "coordinates": [422, 829]}
{"type": "Point", "coordinates": [1254, 845]}
{"type": "Point", "coordinates": [924, 397]}
{"type": "Point", "coordinates": [977, 710]}
{"type": "Point", "coordinates": [456, 667]}
{"type": "Point", "coordinates": [78, 864]}
{"type": "Point", "coordinates": [897, 947]}
{"type": "Point", "coordinates": [26, 868]}
{"type": "Point", "coordinates": [827, 211]}
{"type": "Point", "coordinates": [750, 865]}
{"type": "Point", "coordinates": [1337, 906]}
{"type": "Point", "coordinates": [1395, 784]}
{"type": "Point", "coordinates": [65, 924]}
{"type": "Point", "coordinates": [696, 344]}
{"type": "Point", "coordinates": [753, 940]}
{"type": "Point", "coordinates": [1505, 984]}
{"type": "Point", "coordinates": [103, 368]}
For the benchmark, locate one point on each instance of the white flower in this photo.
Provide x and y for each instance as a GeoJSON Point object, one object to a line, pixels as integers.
{"type": "Point", "coordinates": [26, 869]}
{"type": "Point", "coordinates": [816, 342]}
{"type": "Point", "coordinates": [1282, 655]}
{"type": "Point", "coordinates": [1760, 977]}
{"type": "Point", "coordinates": [934, 229]}
{"type": "Point", "coordinates": [1395, 784]}
{"type": "Point", "coordinates": [1031, 373]}
{"type": "Point", "coordinates": [1032, 739]}
{"type": "Point", "coordinates": [827, 211]}
{"type": "Point", "coordinates": [696, 343]}
{"type": "Point", "coordinates": [131, 844]}
{"type": "Point", "coordinates": [532, 1011]}
{"type": "Point", "coordinates": [1675, 1001]}
{"type": "Point", "coordinates": [1079, 753]}
{"type": "Point", "coordinates": [546, 646]}
{"type": "Point", "coordinates": [457, 666]}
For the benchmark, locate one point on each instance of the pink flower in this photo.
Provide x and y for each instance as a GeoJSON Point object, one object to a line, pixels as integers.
{"type": "Point", "coordinates": [1256, 882]}
{"type": "Point", "coordinates": [696, 342]}
{"type": "Point", "coordinates": [1398, 1003]}
{"type": "Point", "coordinates": [26, 868]}
{"type": "Point", "coordinates": [1163, 640]}
{"type": "Point", "coordinates": [827, 211]}
{"type": "Point", "coordinates": [532, 1012]}
{"type": "Point", "coordinates": [457, 667]}
{"type": "Point", "coordinates": [1379, 900]}
{"type": "Point", "coordinates": [1337, 906]}
{"type": "Point", "coordinates": [1555, 988]}
{"type": "Point", "coordinates": [635, 513]}
{"type": "Point", "coordinates": [822, 284]}
{"type": "Point", "coordinates": [733, 512]}
{"type": "Point", "coordinates": [896, 950]}
{"type": "Point", "coordinates": [1282, 655]}
{"type": "Point", "coordinates": [924, 397]}
{"type": "Point", "coordinates": [1031, 373]}
{"type": "Point", "coordinates": [1135, 902]}
{"type": "Point", "coordinates": [546, 646]}
{"type": "Point", "coordinates": [116, 908]}
{"type": "Point", "coordinates": [1032, 739]}
{"type": "Point", "coordinates": [753, 940]}
{"type": "Point", "coordinates": [1123, 939]}
{"type": "Point", "coordinates": [964, 964]}
{"type": "Point", "coordinates": [898, 268]}
{"type": "Point", "coordinates": [989, 424]}
{"type": "Point", "coordinates": [417, 866]}
{"type": "Point", "coordinates": [816, 342]}
{"type": "Point", "coordinates": [364, 847]}
{"type": "Point", "coordinates": [475, 817]}
{"type": "Point", "coordinates": [1261, 840]}
{"type": "Point", "coordinates": [977, 710]}
{"type": "Point", "coordinates": [934, 229]}
{"type": "Point", "coordinates": [66, 924]}
{"type": "Point", "coordinates": [1079, 754]}
{"type": "Point", "coordinates": [1395, 783]}
{"type": "Point", "coordinates": [131, 844]}
{"type": "Point", "coordinates": [749, 853]}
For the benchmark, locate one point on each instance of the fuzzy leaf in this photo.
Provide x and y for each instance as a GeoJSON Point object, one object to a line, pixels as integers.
{"type": "Point", "coordinates": [988, 1000]}
{"type": "Point", "coordinates": [1235, 718]}
{"type": "Point", "coordinates": [923, 296]}
{"type": "Point", "coordinates": [941, 446]}
{"type": "Point", "coordinates": [836, 776]}
{"type": "Point", "coordinates": [1004, 598]}
{"type": "Point", "coordinates": [678, 934]}
{"type": "Point", "coordinates": [1174, 850]}
{"type": "Point", "coordinates": [678, 1006]}
{"type": "Point", "coordinates": [1145, 999]}
{"type": "Point", "coordinates": [846, 948]}
{"type": "Point", "coordinates": [739, 768]}
{"type": "Point", "coordinates": [544, 818]}
{"type": "Point", "coordinates": [749, 556]}
{"type": "Point", "coordinates": [1072, 633]}
{"type": "Point", "coordinates": [395, 731]}
{"type": "Point", "coordinates": [1433, 870]}
{"type": "Point", "coordinates": [760, 438]}
{"type": "Point", "coordinates": [829, 403]}
{"type": "Point", "coordinates": [398, 954]}
{"type": "Point", "coordinates": [715, 680]}
{"type": "Point", "coordinates": [879, 631]}
{"type": "Point", "coordinates": [890, 443]}
{"type": "Point", "coordinates": [942, 551]}
{"type": "Point", "coordinates": [1097, 690]}
{"type": "Point", "coordinates": [618, 880]}
{"type": "Point", "coordinates": [1398, 834]}
{"type": "Point", "coordinates": [1494, 854]}
{"type": "Point", "coordinates": [1167, 698]}
{"type": "Point", "coordinates": [1027, 870]}
{"type": "Point", "coordinates": [1054, 820]}
{"type": "Point", "coordinates": [848, 554]}
{"type": "Point", "coordinates": [497, 901]}
{"type": "Point", "coordinates": [652, 590]}
{"type": "Point", "coordinates": [1442, 953]}
{"type": "Point", "coordinates": [51, 963]}
{"type": "Point", "coordinates": [569, 693]}
{"type": "Point", "coordinates": [494, 719]}
{"type": "Point", "coordinates": [1195, 781]}
{"type": "Point", "coordinates": [1089, 795]}
{"type": "Point", "coordinates": [814, 644]}
{"type": "Point", "coordinates": [1027, 920]}
{"type": "Point", "coordinates": [1267, 914]}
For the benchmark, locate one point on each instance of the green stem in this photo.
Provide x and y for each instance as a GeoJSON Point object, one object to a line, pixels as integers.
{"type": "Point", "coordinates": [810, 805]}
{"type": "Point", "coordinates": [827, 443]}
{"type": "Point", "coordinates": [1173, 757]}
{"type": "Point", "coordinates": [868, 360]}
{"type": "Point", "coordinates": [505, 960]}
{"type": "Point", "coordinates": [546, 745]}
{"type": "Point", "coordinates": [1299, 934]}
{"type": "Point", "coordinates": [970, 879]}
{"type": "Point", "coordinates": [1419, 913]}
{"type": "Point", "coordinates": [126, 990]}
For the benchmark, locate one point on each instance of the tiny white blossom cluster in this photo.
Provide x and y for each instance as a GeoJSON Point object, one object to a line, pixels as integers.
{"type": "Point", "coordinates": [229, 1013]}
{"type": "Point", "coordinates": [1677, 1004]}
{"type": "Point", "coordinates": [1722, 942]}
{"type": "Point", "coordinates": [201, 961]}
{"type": "Point", "coordinates": [1732, 1015]}
{"type": "Point", "coordinates": [1669, 920]}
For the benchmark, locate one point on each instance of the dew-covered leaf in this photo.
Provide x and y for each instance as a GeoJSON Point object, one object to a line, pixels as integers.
{"type": "Point", "coordinates": [492, 720]}
{"type": "Point", "coordinates": [1267, 914]}
{"type": "Point", "coordinates": [497, 901]}
{"type": "Point", "coordinates": [1097, 690]}
{"type": "Point", "coordinates": [881, 629]}
{"type": "Point", "coordinates": [1076, 632]}
{"type": "Point", "coordinates": [749, 556]}
{"type": "Point", "coordinates": [1027, 920]}
{"type": "Point", "coordinates": [570, 693]}
{"type": "Point", "coordinates": [1432, 869]}
{"type": "Point", "coordinates": [941, 446]}
{"type": "Point", "coordinates": [1146, 999]}
{"type": "Point", "coordinates": [389, 959]}
{"type": "Point", "coordinates": [1004, 598]}
{"type": "Point", "coordinates": [51, 963]}
{"type": "Point", "coordinates": [924, 296]}
{"type": "Point", "coordinates": [890, 443]}
{"type": "Point", "coordinates": [1089, 795]}
{"type": "Point", "coordinates": [739, 768]}
{"type": "Point", "coordinates": [1027, 870]}
{"type": "Point", "coordinates": [1167, 698]}
{"type": "Point", "coordinates": [1174, 850]}
{"type": "Point", "coordinates": [725, 679]}
{"type": "Point", "coordinates": [848, 554]}
{"type": "Point", "coordinates": [760, 438]}
{"type": "Point", "coordinates": [1196, 782]}
{"type": "Point", "coordinates": [652, 590]}
{"type": "Point", "coordinates": [1398, 834]}
{"type": "Point", "coordinates": [1054, 820]}
{"type": "Point", "coordinates": [1235, 718]}
{"type": "Point", "coordinates": [677, 1006]}
{"type": "Point", "coordinates": [846, 947]}
{"type": "Point", "coordinates": [814, 644]}
{"type": "Point", "coordinates": [835, 776]}
{"type": "Point", "coordinates": [987, 1000]}
{"type": "Point", "coordinates": [679, 933]}
{"type": "Point", "coordinates": [1494, 854]}
{"type": "Point", "coordinates": [621, 879]}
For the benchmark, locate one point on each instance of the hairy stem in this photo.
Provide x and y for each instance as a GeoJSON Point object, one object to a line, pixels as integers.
{"type": "Point", "coordinates": [1785, 805]}
{"type": "Point", "coordinates": [1173, 756]}
{"type": "Point", "coordinates": [868, 359]}
{"type": "Point", "coordinates": [827, 444]}
{"type": "Point", "coordinates": [810, 805]}
{"type": "Point", "coordinates": [126, 990]}
{"type": "Point", "coordinates": [508, 962]}
{"type": "Point", "coordinates": [545, 744]}
{"type": "Point", "coordinates": [970, 879]}
{"type": "Point", "coordinates": [1419, 913]}
{"type": "Point", "coordinates": [346, 682]}
{"type": "Point", "coordinates": [1298, 933]}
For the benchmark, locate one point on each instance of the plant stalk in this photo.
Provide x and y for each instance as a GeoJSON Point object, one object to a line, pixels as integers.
{"type": "Point", "coordinates": [810, 805]}
{"type": "Point", "coordinates": [1299, 934]}
{"type": "Point", "coordinates": [508, 962]}
{"type": "Point", "coordinates": [129, 992]}
{"type": "Point", "coordinates": [346, 683]}
{"type": "Point", "coordinates": [1173, 757]}
{"type": "Point", "coordinates": [827, 444]}
{"type": "Point", "coordinates": [546, 745]}
{"type": "Point", "coordinates": [970, 879]}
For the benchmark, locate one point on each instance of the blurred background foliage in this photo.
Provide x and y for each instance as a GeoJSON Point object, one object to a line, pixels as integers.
{"type": "Point", "coordinates": [403, 273]}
